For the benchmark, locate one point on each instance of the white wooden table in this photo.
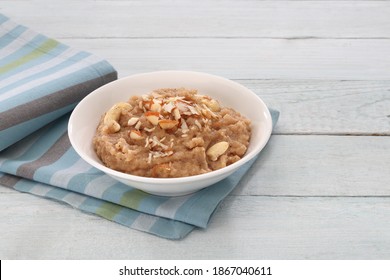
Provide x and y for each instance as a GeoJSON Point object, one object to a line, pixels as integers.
{"type": "Point", "coordinates": [321, 189]}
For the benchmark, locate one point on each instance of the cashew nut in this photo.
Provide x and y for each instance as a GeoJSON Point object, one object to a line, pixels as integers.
{"type": "Point", "coordinates": [112, 116]}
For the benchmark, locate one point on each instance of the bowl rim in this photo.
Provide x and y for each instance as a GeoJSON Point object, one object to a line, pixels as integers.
{"type": "Point", "coordinates": [163, 181]}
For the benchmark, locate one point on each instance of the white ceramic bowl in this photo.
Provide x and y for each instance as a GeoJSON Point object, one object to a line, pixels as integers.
{"type": "Point", "coordinates": [86, 115]}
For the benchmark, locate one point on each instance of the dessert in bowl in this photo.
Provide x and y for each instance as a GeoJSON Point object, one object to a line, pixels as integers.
{"type": "Point", "coordinates": [170, 132]}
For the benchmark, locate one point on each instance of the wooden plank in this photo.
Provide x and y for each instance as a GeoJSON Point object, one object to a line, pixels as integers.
{"type": "Point", "coordinates": [340, 59]}
{"type": "Point", "coordinates": [308, 196]}
{"type": "Point", "coordinates": [327, 107]}
{"type": "Point", "coordinates": [252, 228]}
{"type": "Point", "coordinates": [320, 166]}
{"type": "Point", "coordinates": [227, 18]}
{"type": "Point", "coordinates": [6, 190]}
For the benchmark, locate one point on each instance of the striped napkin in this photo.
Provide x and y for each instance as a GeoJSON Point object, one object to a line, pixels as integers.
{"type": "Point", "coordinates": [41, 79]}
{"type": "Point", "coordinates": [39, 91]}
{"type": "Point", "coordinates": [45, 164]}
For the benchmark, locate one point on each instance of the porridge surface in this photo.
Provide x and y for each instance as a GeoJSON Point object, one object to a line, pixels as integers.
{"type": "Point", "coordinates": [173, 132]}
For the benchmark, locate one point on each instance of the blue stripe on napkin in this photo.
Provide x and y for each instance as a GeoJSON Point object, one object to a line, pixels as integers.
{"type": "Point", "coordinates": [41, 80]}
{"type": "Point", "coordinates": [49, 167]}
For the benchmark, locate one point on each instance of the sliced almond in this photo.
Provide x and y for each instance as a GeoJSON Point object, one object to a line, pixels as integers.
{"type": "Point", "coordinates": [135, 134]}
{"type": "Point", "coordinates": [216, 150]}
{"type": "Point", "coordinates": [155, 142]}
{"type": "Point", "coordinates": [158, 100]}
{"type": "Point", "coordinates": [183, 107]}
{"type": "Point", "coordinates": [212, 104]}
{"type": "Point", "coordinates": [193, 110]}
{"type": "Point", "coordinates": [197, 123]}
{"type": "Point", "coordinates": [147, 142]}
{"type": "Point", "coordinates": [176, 114]}
{"type": "Point", "coordinates": [132, 121]}
{"type": "Point", "coordinates": [207, 112]}
{"type": "Point", "coordinates": [184, 126]}
{"type": "Point", "coordinates": [168, 107]}
{"type": "Point", "coordinates": [147, 104]}
{"type": "Point", "coordinates": [155, 107]}
{"type": "Point", "coordinates": [138, 125]}
{"type": "Point", "coordinates": [152, 117]}
{"type": "Point", "coordinates": [150, 129]}
{"type": "Point", "coordinates": [168, 124]}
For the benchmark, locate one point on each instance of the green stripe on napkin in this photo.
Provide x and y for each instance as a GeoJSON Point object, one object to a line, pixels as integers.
{"type": "Point", "coordinates": [45, 47]}
{"type": "Point", "coordinates": [41, 80]}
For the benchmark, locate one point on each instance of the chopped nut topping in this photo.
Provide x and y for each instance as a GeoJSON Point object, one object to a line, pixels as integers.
{"type": "Point", "coordinates": [155, 142]}
{"type": "Point", "coordinates": [208, 113]}
{"type": "Point", "coordinates": [218, 149]}
{"type": "Point", "coordinates": [132, 121]}
{"type": "Point", "coordinates": [147, 142]}
{"type": "Point", "coordinates": [197, 123]}
{"type": "Point", "coordinates": [171, 132]}
{"type": "Point", "coordinates": [150, 129]}
{"type": "Point", "coordinates": [176, 114]}
{"type": "Point", "coordinates": [135, 134]}
{"type": "Point", "coordinates": [184, 126]}
{"type": "Point", "coordinates": [212, 104]}
{"type": "Point", "coordinates": [138, 125]}
{"type": "Point", "coordinates": [113, 115]}
{"type": "Point", "coordinates": [168, 124]}
{"type": "Point", "coordinates": [152, 117]}
{"type": "Point", "coordinates": [168, 112]}
{"type": "Point", "coordinates": [158, 154]}
{"type": "Point", "coordinates": [155, 107]}
{"type": "Point", "coordinates": [168, 107]}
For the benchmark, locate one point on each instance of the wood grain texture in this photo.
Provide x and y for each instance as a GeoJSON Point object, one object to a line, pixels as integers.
{"type": "Point", "coordinates": [327, 107]}
{"type": "Point", "coordinates": [253, 227]}
{"type": "Point", "coordinates": [320, 188]}
{"type": "Point", "coordinates": [226, 18]}
{"type": "Point", "coordinates": [247, 58]}
{"type": "Point", "coordinates": [310, 165]}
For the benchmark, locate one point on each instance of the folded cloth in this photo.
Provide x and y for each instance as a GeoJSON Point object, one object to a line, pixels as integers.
{"type": "Point", "coordinates": [39, 84]}
{"type": "Point", "coordinates": [45, 164]}
{"type": "Point", "coordinates": [41, 79]}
